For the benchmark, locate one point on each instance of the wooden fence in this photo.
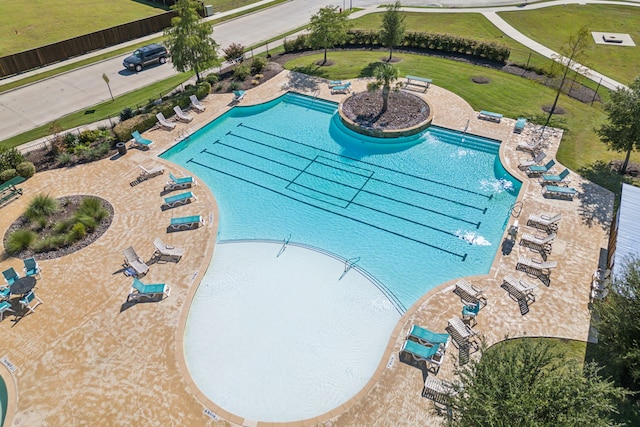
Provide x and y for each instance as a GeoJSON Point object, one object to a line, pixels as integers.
{"type": "Point", "coordinates": [55, 52]}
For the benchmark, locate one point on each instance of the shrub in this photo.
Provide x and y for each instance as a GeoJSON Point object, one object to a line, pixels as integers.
{"type": "Point", "coordinates": [61, 227]}
{"type": "Point", "coordinates": [26, 169]}
{"type": "Point", "coordinates": [234, 53]}
{"type": "Point", "coordinates": [219, 87]}
{"type": "Point", "coordinates": [299, 43]}
{"type": "Point", "coordinates": [70, 140]}
{"type": "Point", "coordinates": [51, 242]}
{"type": "Point", "coordinates": [10, 158]}
{"type": "Point", "coordinates": [202, 90]}
{"type": "Point", "coordinates": [42, 205]}
{"type": "Point", "coordinates": [258, 64]}
{"type": "Point", "coordinates": [20, 240]}
{"type": "Point", "coordinates": [88, 136]}
{"type": "Point", "coordinates": [64, 159]}
{"type": "Point", "coordinates": [241, 72]}
{"type": "Point", "coordinates": [87, 221]}
{"type": "Point", "coordinates": [235, 85]}
{"type": "Point", "coordinates": [141, 123]}
{"type": "Point", "coordinates": [212, 78]}
{"type": "Point", "coordinates": [78, 231]}
{"type": "Point", "coordinates": [7, 174]}
{"type": "Point", "coordinates": [92, 207]}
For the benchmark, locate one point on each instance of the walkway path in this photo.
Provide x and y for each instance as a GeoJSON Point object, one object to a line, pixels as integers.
{"type": "Point", "coordinates": [31, 106]}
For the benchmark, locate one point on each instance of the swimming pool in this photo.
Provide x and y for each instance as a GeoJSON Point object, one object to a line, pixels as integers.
{"type": "Point", "coordinates": [413, 215]}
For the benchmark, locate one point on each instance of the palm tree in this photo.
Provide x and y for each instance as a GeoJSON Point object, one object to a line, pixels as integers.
{"type": "Point", "coordinates": [385, 74]}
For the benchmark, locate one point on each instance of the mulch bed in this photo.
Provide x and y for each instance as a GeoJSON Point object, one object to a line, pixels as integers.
{"type": "Point", "coordinates": [404, 110]}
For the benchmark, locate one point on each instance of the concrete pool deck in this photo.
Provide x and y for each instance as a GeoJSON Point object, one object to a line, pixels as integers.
{"type": "Point", "coordinates": [86, 357]}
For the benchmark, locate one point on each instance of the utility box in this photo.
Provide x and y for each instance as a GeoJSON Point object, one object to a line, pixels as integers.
{"type": "Point", "coordinates": [208, 10]}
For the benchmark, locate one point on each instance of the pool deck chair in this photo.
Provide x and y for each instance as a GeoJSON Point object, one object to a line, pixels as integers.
{"type": "Point", "coordinates": [546, 222]}
{"type": "Point", "coordinates": [140, 291]}
{"type": "Point", "coordinates": [461, 333]}
{"type": "Point", "coordinates": [164, 123]}
{"type": "Point", "coordinates": [238, 95]}
{"type": "Point", "coordinates": [30, 302]}
{"type": "Point", "coordinates": [4, 307]}
{"type": "Point", "coordinates": [560, 192]}
{"type": "Point", "coordinates": [5, 293]}
{"type": "Point", "coordinates": [533, 147]}
{"type": "Point", "coordinates": [437, 391]}
{"type": "Point", "coordinates": [469, 293]}
{"type": "Point", "coordinates": [150, 171]}
{"type": "Point", "coordinates": [31, 267]}
{"type": "Point", "coordinates": [334, 83]}
{"type": "Point", "coordinates": [179, 183]}
{"type": "Point", "coordinates": [470, 313]}
{"type": "Point", "coordinates": [426, 337]}
{"type": "Point", "coordinates": [168, 252]}
{"type": "Point", "coordinates": [179, 199]}
{"type": "Point", "coordinates": [519, 126]}
{"type": "Point", "coordinates": [540, 244]}
{"type": "Point", "coordinates": [186, 223]}
{"type": "Point", "coordinates": [182, 116]}
{"type": "Point", "coordinates": [539, 269]}
{"type": "Point", "coordinates": [132, 260]}
{"type": "Point", "coordinates": [490, 116]}
{"type": "Point", "coordinates": [196, 104]}
{"type": "Point", "coordinates": [140, 141]}
{"type": "Point", "coordinates": [345, 88]}
{"type": "Point", "coordinates": [519, 290]}
{"type": "Point", "coordinates": [561, 178]}
{"type": "Point", "coordinates": [431, 356]}
{"type": "Point", "coordinates": [10, 275]}
{"type": "Point", "coordinates": [537, 160]}
{"type": "Point", "coordinates": [536, 170]}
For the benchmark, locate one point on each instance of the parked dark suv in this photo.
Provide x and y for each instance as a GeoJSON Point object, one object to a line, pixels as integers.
{"type": "Point", "coordinates": [144, 56]}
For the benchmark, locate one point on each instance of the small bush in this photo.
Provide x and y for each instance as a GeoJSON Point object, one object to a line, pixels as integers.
{"type": "Point", "coordinates": [141, 123]}
{"type": "Point", "coordinates": [88, 136]}
{"type": "Point", "coordinates": [10, 158]}
{"type": "Point", "coordinates": [212, 78]}
{"type": "Point", "coordinates": [87, 221]}
{"type": "Point", "coordinates": [219, 87]}
{"type": "Point", "coordinates": [64, 159]}
{"type": "Point", "coordinates": [202, 90]}
{"type": "Point", "coordinates": [258, 64]}
{"type": "Point", "coordinates": [61, 227]}
{"type": "Point", "coordinates": [78, 231]}
{"type": "Point", "coordinates": [26, 169]}
{"type": "Point", "coordinates": [7, 174]}
{"type": "Point", "coordinates": [20, 240]}
{"type": "Point", "coordinates": [42, 205]}
{"type": "Point", "coordinates": [51, 242]}
{"type": "Point", "coordinates": [70, 140]}
{"type": "Point", "coordinates": [241, 72]}
{"type": "Point", "coordinates": [234, 53]}
{"type": "Point", "coordinates": [92, 207]}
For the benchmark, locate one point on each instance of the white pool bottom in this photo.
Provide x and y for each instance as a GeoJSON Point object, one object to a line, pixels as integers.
{"type": "Point", "coordinates": [278, 339]}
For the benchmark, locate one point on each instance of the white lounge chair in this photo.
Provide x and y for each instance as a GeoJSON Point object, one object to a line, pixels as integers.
{"type": "Point", "coordinates": [542, 244]}
{"type": "Point", "coordinates": [469, 293]}
{"type": "Point", "coordinates": [164, 251]}
{"type": "Point", "coordinates": [533, 147]}
{"type": "Point", "coordinates": [535, 267]}
{"type": "Point", "coordinates": [195, 103]}
{"type": "Point", "coordinates": [151, 171]}
{"type": "Point", "coordinates": [182, 116]}
{"type": "Point", "coordinates": [132, 260]}
{"type": "Point", "coordinates": [519, 290]}
{"type": "Point", "coordinates": [461, 333]}
{"type": "Point", "coordinates": [524, 164]}
{"type": "Point", "coordinates": [164, 123]}
{"type": "Point", "coordinates": [546, 222]}
{"type": "Point", "coordinates": [437, 390]}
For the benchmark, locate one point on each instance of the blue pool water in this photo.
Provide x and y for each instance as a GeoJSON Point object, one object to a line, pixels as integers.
{"type": "Point", "coordinates": [286, 338]}
{"type": "Point", "coordinates": [414, 215]}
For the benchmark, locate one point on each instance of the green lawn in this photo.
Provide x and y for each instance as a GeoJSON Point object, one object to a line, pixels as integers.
{"type": "Point", "coordinates": [510, 95]}
{"type": "Point", "coordinates": [27, 24]}
{"type": "Point", "coordinates": [553, 26]}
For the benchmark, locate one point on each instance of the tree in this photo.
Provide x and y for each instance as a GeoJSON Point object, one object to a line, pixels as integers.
{"type": "Point", "coordinates": [189, 40]}
{"type": "Point", "coordinates": [393, 28]}
{"type": "Point", "coordinates": [568, 58]}
{"type": "Point", "coordinates": [527, 383]}
{"type": "Point", "coordinates": [385, 74]}
{"type": "Point", "coordinates": [617, 320]}
{"type": "Point", "coordinates": [328, 28]}
{"type": "Point", "coordinates": [622, 132]}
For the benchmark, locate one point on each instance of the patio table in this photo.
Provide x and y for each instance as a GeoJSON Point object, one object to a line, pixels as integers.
{"type": "Point", "coordinates": [23, 285]}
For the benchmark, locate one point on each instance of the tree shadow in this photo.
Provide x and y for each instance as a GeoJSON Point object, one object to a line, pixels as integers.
{"type": "Point", "coordinates": [311, 70]}
{"type": "Point", "coordinates": [302, 82]}
{"type": "Point", "coordinates": [602, 174]}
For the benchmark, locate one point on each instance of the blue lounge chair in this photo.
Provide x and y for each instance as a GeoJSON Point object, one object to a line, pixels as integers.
{"type": "Point", "coordinates": [554, 179]}
{"type": "Point", "coordinates": [179, 199]}
{"type": "Point", "coordinates": [345, 88]}
{"type": "Point", "coordinates": [28, 299]}
{"type": "Point", "coordinates": [140, 290]}
{"type": "Point", "coordinates": [489, 115]}
{"type": "Point", "coordinates": [425, 336]}
{"type": "Point", "coordinates": [238, 95]}
{"type": "Point", "coordinates": [537, 170]}
{"type": "Point", "coordinates": [519, 126]}
{"type": "Point", "coordinates": [4, 306]}
{"type": "Point", "coordinates": [334, 83]}
{"type": "Point", "coordinates": [5, 292]}
{"type": "Point", "coordinates": [558, 191]}
{"type": "Point", "coordinates": [420, 353]}
{"type": "Point", "coordinates": [31, 267]}
{"type": "Point", "coordinates": [179, 183]}
{"type": "Point", "coordinates": [139, 140]}
{"type": "Point", "coordinates": [186, 223]}
{"type": "Point", "coordinates": [10, 275]}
